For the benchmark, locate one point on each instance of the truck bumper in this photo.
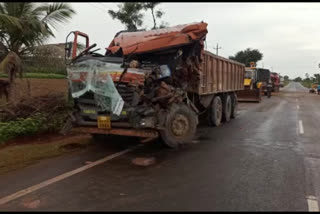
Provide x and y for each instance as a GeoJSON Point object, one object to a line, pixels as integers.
{"type": "Point", "coordinates": [147, 133]}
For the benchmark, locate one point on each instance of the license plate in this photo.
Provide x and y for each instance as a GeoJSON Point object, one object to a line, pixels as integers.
{"type": "Point", "coordinates": [104, 122]}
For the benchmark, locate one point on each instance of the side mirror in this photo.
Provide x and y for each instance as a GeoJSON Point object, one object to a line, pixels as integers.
{"type": "Point", "coordinates": [68, 49]}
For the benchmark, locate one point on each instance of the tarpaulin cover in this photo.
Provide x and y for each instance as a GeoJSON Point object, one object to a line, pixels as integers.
{"type": "Point", "coordinates": [93, 75]}
{"type": "Point", "coordinates": [148, 41]}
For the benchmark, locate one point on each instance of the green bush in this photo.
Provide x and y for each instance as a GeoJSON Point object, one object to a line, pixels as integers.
{"type": "Point", "coordinates": [21, 127]}
{"type": "Point", "coordinates": [39, 75]}
{"type": "Point", "coordinates": [35, 124]}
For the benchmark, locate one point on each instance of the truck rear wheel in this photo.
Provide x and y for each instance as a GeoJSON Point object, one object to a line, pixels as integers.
{"type": "Point", "coordinates": [227, 108]}
{"type": "Point", "coordinates": [180, 126]}
{"type": "Point", "coordinates": [215, 112]}
{"type": "Point", "coordinates": [234, 111]}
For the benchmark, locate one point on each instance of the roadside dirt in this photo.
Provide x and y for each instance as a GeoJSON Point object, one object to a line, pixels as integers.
{"type": "Point", "coordinates": [40, 87]}
{"type": "Point", "coordinates": [42, 139]}
{"type": "Point", "coordinates": [25, 151]}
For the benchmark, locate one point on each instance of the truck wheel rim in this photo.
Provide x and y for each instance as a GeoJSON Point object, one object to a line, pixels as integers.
{"type": "Point", "coordinates": [180, 125]}
{"type": "Point", "coordinates": [219, 110]}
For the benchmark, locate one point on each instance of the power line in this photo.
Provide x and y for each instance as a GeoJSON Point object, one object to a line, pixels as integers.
{"type": "Point", "coordinates": [217, 49]}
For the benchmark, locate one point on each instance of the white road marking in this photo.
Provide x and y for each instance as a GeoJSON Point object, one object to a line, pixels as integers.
{"type": "Point", "coordinates": [298, 107]}
{"type": "Point", "coordinates": [312, 204]}
{"type": "Point", "coordinates": [23, 192]}
{"type": "Point", "coordinates": [301, 127]}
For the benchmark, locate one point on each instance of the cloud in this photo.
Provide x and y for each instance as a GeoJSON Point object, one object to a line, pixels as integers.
{"type": "Point", "coordinates": [286, 33]}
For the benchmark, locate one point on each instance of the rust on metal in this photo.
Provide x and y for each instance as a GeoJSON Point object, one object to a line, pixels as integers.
{"type": "Point", "coordinates": [146, 41]}
{"type": "Point", "coordinates": [147, 133]}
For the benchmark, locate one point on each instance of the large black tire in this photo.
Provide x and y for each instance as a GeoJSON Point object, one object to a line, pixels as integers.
{"type": "Point", "coordinates": [234, 110]}
{"type": "Point", "coordinates": [215, 112]}
{"type": "Point", "coordinates": [180, 126]}
{"type": "Point", "coordinates": [227, 108]}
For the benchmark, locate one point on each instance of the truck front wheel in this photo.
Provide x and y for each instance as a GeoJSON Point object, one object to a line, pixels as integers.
{"type": "Point", "coordinates": [180, 126]}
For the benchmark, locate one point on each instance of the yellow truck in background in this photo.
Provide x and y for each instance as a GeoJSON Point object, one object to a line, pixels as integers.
{"type": "Point", "coordinates": [252, 87]}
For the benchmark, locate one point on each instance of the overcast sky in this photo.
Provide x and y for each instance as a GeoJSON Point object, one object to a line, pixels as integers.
{"type": "Point", "coordinates": [287, 34]}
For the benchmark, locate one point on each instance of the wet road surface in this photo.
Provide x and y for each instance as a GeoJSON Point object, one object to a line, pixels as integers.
{"type": "Point", "coordinates": [267, 159]}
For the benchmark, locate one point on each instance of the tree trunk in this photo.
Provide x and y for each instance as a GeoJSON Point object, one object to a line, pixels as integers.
{"type": "Point", "coordinates": [154, 19]}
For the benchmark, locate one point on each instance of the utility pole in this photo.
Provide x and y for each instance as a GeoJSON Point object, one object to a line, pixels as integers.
{"type": "Point", "coordinates": [217, 49]}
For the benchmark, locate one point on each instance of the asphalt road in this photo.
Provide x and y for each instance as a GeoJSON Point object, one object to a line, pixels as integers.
{"type": "Point", "coordinates": [267, 159]}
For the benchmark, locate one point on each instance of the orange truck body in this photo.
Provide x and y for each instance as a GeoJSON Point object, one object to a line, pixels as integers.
{"type": "Point", "coordinates": [155, 40]}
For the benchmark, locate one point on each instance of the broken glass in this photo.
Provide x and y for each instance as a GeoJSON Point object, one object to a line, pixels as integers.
{"type": "Point", "coordinates": [94, 75]}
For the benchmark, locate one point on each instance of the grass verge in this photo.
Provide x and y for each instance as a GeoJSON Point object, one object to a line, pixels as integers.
{"type": "Point", "coordinates": [286, 82]}
{"type": "Point", "coordinates": [306, 83]}
{"type": "Point", "coordinates": [17, 156]}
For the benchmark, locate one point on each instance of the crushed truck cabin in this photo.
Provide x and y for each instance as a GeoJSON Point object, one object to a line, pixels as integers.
{"type": "Point", "coordinates": [152, 83]}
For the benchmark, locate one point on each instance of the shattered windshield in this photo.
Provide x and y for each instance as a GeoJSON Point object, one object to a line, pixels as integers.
{"type": "Point", "coordinates": [94, 75]}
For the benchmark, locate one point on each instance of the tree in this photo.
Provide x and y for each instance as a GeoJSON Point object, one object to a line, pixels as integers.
{"type": "Point", "coordinates": [155, 14]}
{"type": "Point", "coordinates": [24, 25]}
{"type": "Point", "coordinates": [286, 78]}
{"type": "Point", "coordinates": [307, 75]}
{"type": "Point", "coordinates": [129, 14]}
{"type": "Point", "coordinates": [164, 24]}
{"type": "Point", "coordinates": [317, 78]}
{"type": "Point", "coordinates": [247, 56]}
{"type": "Point", "coordinates": [298, 79]}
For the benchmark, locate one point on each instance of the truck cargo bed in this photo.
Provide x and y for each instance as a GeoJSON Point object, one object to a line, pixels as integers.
{"type": "Point", "coordinates": [218, 74]}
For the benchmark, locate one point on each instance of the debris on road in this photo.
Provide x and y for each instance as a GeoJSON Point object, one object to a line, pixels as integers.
{"type": "Point", "coordinates": [143, 161]}
{"type": "Point", "coordinates": [32, 205]}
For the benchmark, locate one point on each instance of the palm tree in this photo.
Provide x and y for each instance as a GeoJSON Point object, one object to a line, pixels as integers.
{"type": "Point", "coordinates": [24, 25]}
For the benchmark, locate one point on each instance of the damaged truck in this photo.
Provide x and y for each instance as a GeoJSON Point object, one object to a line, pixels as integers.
{"type": "Point", "coordinates": [151, 84]}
